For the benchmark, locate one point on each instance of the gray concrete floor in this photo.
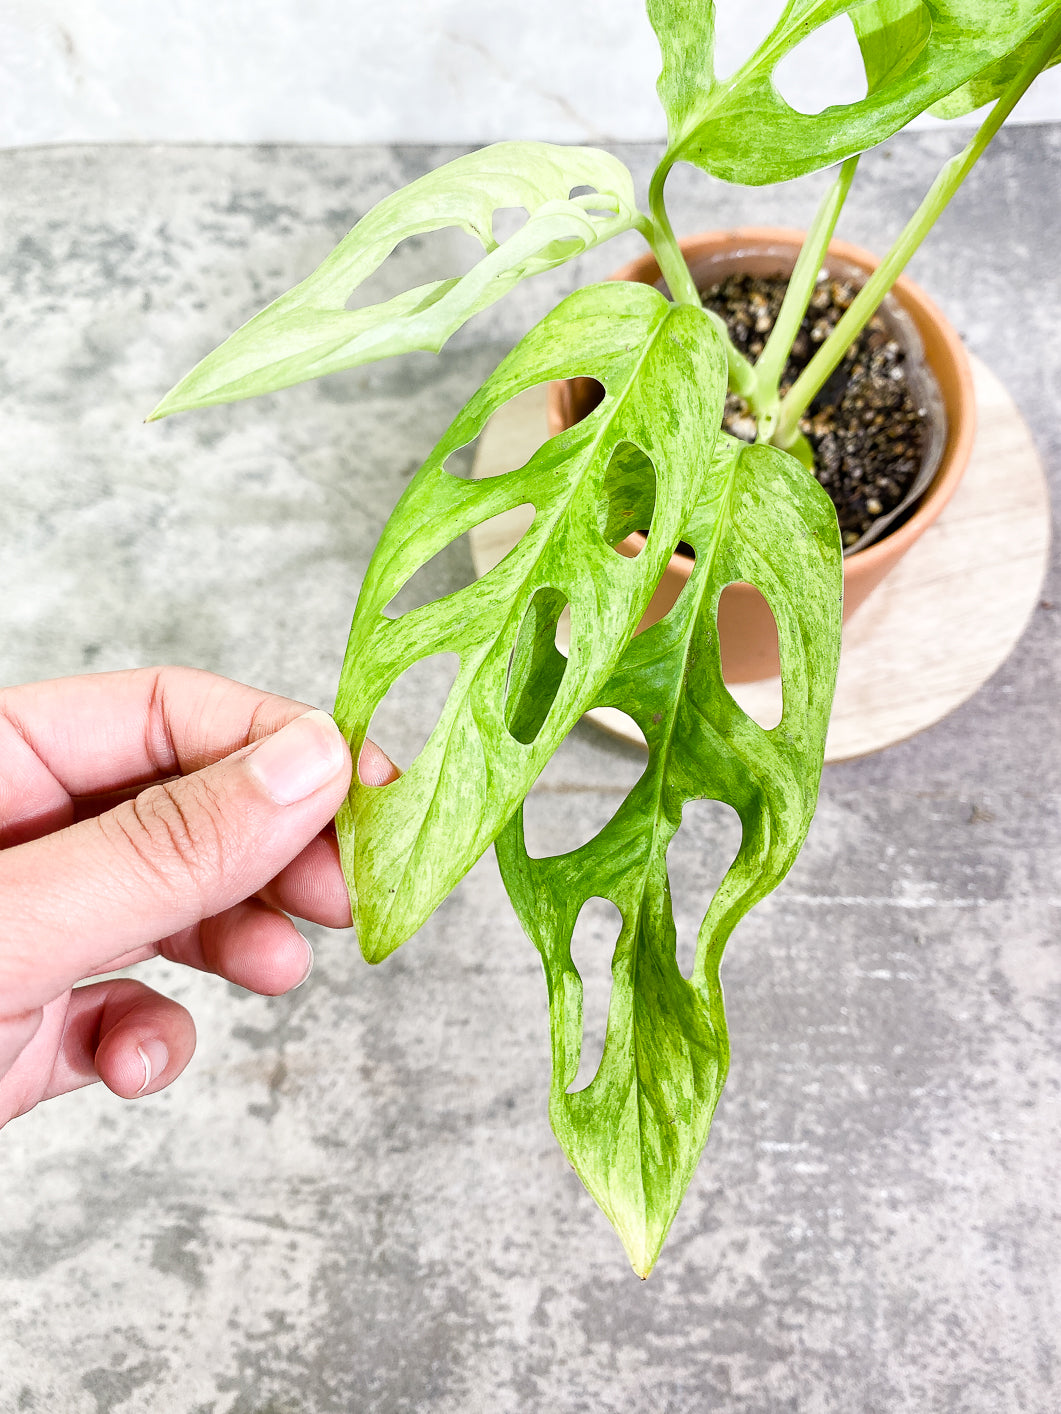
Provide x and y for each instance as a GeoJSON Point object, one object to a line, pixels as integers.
{"type": "Point", "coordinates": [352, 1200]}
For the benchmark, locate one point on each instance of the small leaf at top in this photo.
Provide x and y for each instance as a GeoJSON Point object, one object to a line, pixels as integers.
{"type": "Point", "coordinates": [993, 81]}
{"type": "Point", "coordinates": [741, 129]}
{"type": "Point", "coordinates": [309, 331]}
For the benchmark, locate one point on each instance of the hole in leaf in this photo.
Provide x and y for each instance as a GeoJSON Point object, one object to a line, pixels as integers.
{"type": "Point", "coordinates": [562, 638]}
{"type": "Point", "coordinates": [627, 499]}
{"type": "Point", "coordinates": [578, 397]}
{"type": "Point", "coordinates": [507, 442]}
{"type": "Point", "coordinates": [583, 785]}
{"type": "Point", "coordinates": [419, 260]}
{"type": "Point", "coordinates": [441, 575]}
{"type": "Point", "coordinates": [536, 668]}
{"type": "Point", "coordinates": [824, 70]}
{"type": "Point", "coordinates": [507, 220]}
{"type": "Point", "coordinates": [621, 726]}
{"type": "Point", "coordinates": [446, 572]}
{"type": "Point", "coordinates": [740, 29]}
{"type": "Point", "coordinates": [513, 433]}
{"type": "Point", "coordinates": [669, 590]}
{"type": "Point", "coordinates": [409, 712]}
{"type": "Point", "coordinates": [602, 212]}
{"type": "Point", "coordinates": [462, 462]}
{"type": "Point", "coordinates": [698, 859]}
{"type": "Point", "coordinates": [747, 632]}
{"type": "Point", "coordinates": [593, 940]}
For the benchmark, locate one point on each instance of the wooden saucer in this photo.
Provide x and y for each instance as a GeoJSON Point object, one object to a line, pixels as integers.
{"type": "Point", "coordinates": [931, 634]}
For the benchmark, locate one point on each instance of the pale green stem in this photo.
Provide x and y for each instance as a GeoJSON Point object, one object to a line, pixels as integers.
{"type": "Point", "coordinates": [741, 373]}
{"type": "Point", "coordinates": [802, 450]}
{"type": "Point", "coordinates": [771, 363]}
{"type": "Point", "coordinates": [682, 286]}
{"type": "Point", "coordinates": [865, 304]}
{"type": "Point", "coordinates": [665, 244]}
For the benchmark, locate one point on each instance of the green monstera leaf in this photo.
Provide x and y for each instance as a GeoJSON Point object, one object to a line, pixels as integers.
{"type": "Point", "coordinates": [741, 128]}
{"type": "Point", "coordinates": [891, 34]}
{"type": "Point", "coordinates": [636, 1132]}
{"type": "Point", "coordinates": [663, 371]}
{"type": "Point", "coordinates": [994, 81]}
{"type": "Point", "coordinates": [309, 331]}
{"type": "Point", "coordinates": [649, 456]}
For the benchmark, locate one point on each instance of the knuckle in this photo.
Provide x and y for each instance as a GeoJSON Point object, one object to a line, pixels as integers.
{"type": "Point", "coordinates": [173, 831]}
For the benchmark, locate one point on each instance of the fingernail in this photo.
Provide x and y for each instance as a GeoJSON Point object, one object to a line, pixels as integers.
{"type": "Point", "coordinates": [155, 1056]}
{"type": "Point", "coordinates": [309, 962]}
{"type": "Point", "coordinates": [299, 758]}
{"type": "Point", "coordinates": [374, 767]}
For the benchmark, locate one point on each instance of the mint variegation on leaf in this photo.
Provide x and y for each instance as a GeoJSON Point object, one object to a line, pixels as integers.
{"type": "Point", "coordinates": [651, 456]}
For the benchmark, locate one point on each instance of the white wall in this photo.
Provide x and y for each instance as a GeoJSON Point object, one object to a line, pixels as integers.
{"type": "Point", "coordinates": [347, 71]}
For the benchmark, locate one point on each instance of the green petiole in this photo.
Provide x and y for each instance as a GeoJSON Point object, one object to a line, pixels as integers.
{"type": "Point", "coordinates": [771, 364]}
{"type": "Point", "coordinates": [665, 245]}
{"type": "Point", "coordinates": [675, 270]}
{"type": "Point", "coordinates": [865, 304]}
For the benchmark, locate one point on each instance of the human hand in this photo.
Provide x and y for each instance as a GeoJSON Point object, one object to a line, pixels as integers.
{"type": "Point", "coordinates": [161, 811]}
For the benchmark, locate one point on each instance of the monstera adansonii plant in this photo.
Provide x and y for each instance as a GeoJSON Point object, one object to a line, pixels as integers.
{"type": "Point", "coordinates": [650, 456]}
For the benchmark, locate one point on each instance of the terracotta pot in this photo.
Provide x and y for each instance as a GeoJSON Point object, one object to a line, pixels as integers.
{"type": "Point", "coordinates": [747, 633]}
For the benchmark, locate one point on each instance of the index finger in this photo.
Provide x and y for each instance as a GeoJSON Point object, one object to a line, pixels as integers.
{"type": "Point", "coordinates": [105, 731]}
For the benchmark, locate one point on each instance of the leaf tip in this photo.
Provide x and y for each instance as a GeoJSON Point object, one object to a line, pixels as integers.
{"type": "Point", "coordinates": [642, 1257]}
{"type": "Point", "coordinates": [377, 943]}
{"type": "Point", "coordinates": [167, 405]}
{"type": "Point", "coordinates": [643, 1242]}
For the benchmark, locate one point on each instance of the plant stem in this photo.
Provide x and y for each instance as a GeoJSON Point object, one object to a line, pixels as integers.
{"type": "Point", "coordinates": [865, 304]}
{"type": "Point", "coordinates": [682, 286]}
{"type": "Point", "coordinates": [665, 245]}
{"type": "Point", "coordinates": [740, 373]}
{"type": "Point", "coordinates": [771, 363]}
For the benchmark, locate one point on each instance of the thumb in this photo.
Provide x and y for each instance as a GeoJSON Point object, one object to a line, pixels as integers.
{"type": "Point", "coordinates": [181, 851]}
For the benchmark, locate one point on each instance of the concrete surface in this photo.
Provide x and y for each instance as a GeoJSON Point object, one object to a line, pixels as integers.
{"type": "Point", "coordinates": [352, 1200]}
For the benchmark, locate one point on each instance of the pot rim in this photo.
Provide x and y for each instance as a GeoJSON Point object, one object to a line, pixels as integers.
{"type": "Point", "coordinates": [947, 348]}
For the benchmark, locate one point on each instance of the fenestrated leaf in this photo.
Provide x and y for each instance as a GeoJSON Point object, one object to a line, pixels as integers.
{"type": "Point", "coordinates": [686, 33]}
{"type": "Point", "coordinates": [635, 1133]}
{"type": "Point", "coordinates": [309, 331]}
{"type": "Point", "coordinates": [991, 84]}
{"type": "Point", "coordinates": [741, 128]}
{"type": "Point", "coordinates": [404, 846]}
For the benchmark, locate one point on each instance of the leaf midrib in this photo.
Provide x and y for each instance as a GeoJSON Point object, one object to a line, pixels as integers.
{"type": "Point", "coordinates": [663, 757]}
{"type": "Point", "coordinates": [549, 522]}
{"type": "Point", "coordinates": [770, 52]}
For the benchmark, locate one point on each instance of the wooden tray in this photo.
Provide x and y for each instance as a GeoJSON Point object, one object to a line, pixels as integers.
{"type": "Point", "coordinates": [931, 634]}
